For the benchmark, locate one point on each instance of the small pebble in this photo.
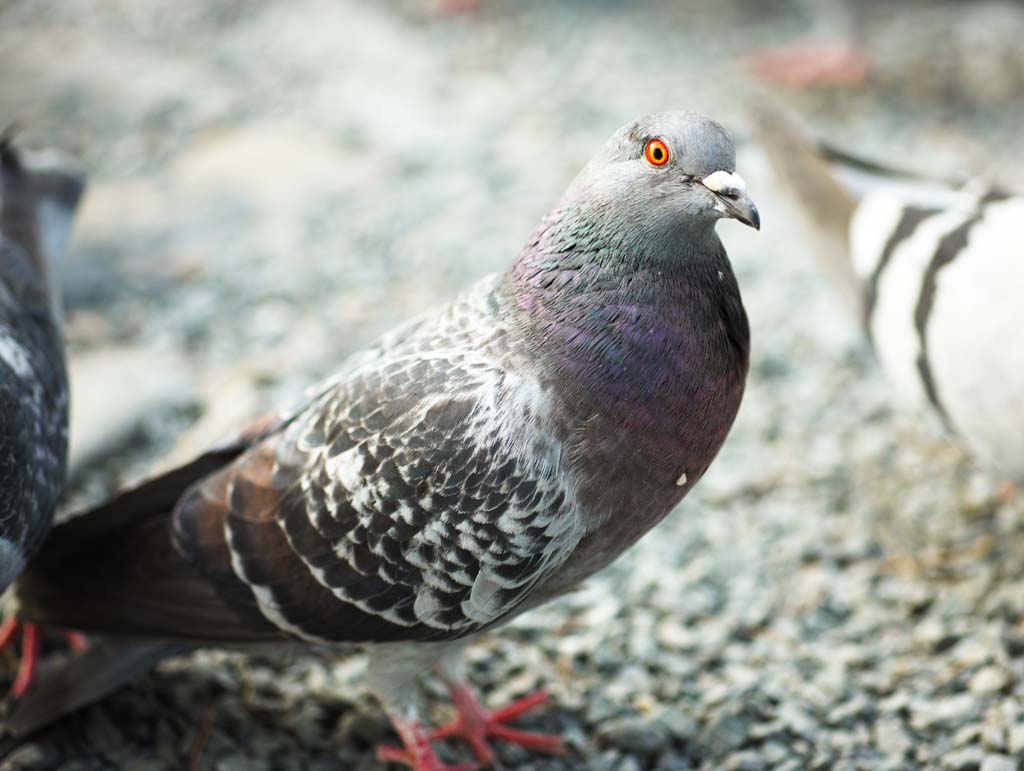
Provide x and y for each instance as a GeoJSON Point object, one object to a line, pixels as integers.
{"type": "Point", "coordinates": [989, 680]}
{"type": "Point", "coordinates": [967, 759]}
{"type": "Point", "coordinates": [634, 734]}
{"type": "Point", "coordinates": [999, 763]}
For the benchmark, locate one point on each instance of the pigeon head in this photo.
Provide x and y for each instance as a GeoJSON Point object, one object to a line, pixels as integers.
{"type": "Point", "coordinates": [666, 172]}
{"type": "Point", "coordinates": [625, 285]}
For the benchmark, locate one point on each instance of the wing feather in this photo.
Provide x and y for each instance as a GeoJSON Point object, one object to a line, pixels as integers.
{"type": "Point", "coordinates": [418, 497]}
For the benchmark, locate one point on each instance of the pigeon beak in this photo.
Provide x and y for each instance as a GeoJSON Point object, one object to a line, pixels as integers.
{"type": "Point", "coordinates": [731, 197]}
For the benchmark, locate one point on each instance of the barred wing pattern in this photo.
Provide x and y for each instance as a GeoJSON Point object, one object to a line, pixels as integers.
{"type": "Point", "coordinates": [420, 496]}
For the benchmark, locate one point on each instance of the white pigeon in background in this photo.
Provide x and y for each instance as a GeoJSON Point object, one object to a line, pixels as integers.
{"type": "Point", "coordinates": [935, 272]}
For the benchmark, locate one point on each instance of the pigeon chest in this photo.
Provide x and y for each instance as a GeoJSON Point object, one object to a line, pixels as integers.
{"type": "Point", "coordinates": [655, 395]}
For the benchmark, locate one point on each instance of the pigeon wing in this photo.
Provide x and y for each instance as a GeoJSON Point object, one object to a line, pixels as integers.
{"type": "Point", "coordinates": [414, 500]}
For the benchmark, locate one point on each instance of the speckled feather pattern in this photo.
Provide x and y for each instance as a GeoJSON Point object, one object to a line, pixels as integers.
{"type": "Point", "coordinates": [423, 488]}
{"type": "Point", "coordinates": [33, 406]}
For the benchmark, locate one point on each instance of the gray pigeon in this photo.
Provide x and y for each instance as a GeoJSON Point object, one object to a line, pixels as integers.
{"type": "Point", "coordinates": [474, 463]}
{"type": "Point", "coordinates": [38, 196]}
{"type": "Point", "coordinates": [933, 269]}
{"type": "Point", "coordinates": [37, 202]}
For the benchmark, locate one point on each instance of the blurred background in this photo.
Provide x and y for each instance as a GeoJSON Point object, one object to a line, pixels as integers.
{"type": "Point", "coordinates": [273, 184]}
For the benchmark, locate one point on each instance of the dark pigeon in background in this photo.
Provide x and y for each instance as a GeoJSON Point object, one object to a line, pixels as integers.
{"type": "Point", "coordinates": [474, 463]}
{"type": "Point", "coordinates": [37, 202]}
{"type": "Point", "coordinates": [38, 197]}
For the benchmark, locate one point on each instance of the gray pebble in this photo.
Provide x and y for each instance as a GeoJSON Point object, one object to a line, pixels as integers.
{"type": "Point", "coordinates": [989, 679]}
{"type": "Point", "coordinates": [670, 761]}
{"type": "Point", "coordinates": [725, 733]}
{"type": "Point", "coordinates": [995, 762]}
{"type": "Point", "coordinates": [747, 760]}
{"type": "Point", "coordinates": [143, 764]}
{"type": "Point", "coordinates": [969, 734]}
{"type": "Point", "coordinates": [681, 725]}
{"type": "Point", "coordinates": [362, 727]}
{"type": "Point", "coordinates": [798, 720]}
{"type": "Point", "coordinates": [630, 764]}
{"type": "Point", "coordinates": [1015, 739]}
{"type": "Point", "coordinates": [967, 759]}
{"type": "Point", "coordinates": [635, 734]}
{"type": "Point", "coordinates": [949, 711]}
{"type": "Point", "coordinates": [31, 756]}
{"type": "Point", "coordinates": [242, 763]}
{"type": "Point", "coordinates": [891, 738]}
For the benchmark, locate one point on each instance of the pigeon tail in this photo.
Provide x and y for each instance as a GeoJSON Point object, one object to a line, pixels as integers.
{"type": "Point", "coordinates": [83, 578]}
{"type": "Point", "coordinates": [39, 195]}
{"type": "Point", "coordinates": [18, 218]}
{"type": "Point", "coordinates": [101, 669]}
{"type": "Point", "coordinates": [828, 185]}
{"type": "Point", "coordinates": [826, 203]}
{"type": "Point", "coordinates": [114, 571]}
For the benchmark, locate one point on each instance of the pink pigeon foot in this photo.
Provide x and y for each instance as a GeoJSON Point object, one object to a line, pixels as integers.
{"type": "Point", "coordinates": [417, 754]}
{"type": "Point", "coordinates": [456, 6]}
{"type": "Point", "coordinates": [475, 724]}
{"type": "Point", "coordinates": [811, 65]}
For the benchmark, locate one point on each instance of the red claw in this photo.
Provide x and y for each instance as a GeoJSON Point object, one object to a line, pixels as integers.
{"type": "Point", "coordinates": [475, 724]}
{"type": "Point", "coordinates": [417, 754]}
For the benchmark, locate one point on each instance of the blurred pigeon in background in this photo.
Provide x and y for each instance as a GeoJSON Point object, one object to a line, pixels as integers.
{"type": "Point", "coordinates": [933, 268]}
{"type": "Point", "coordinates": [876, 47]}
{"type": "Point", "coordinates": [474, 463]}
{"type": "Point", "coordinates": [830, 55]}
{"type": "Point", "coordinates": [38, 197]}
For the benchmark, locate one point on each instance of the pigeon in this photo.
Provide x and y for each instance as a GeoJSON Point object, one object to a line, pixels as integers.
{"type": "Point", "coordinates": [38, 197]}
{"type": "Point", "coordinates": [933, 270]}
{"type": "Point", "coordinates": [830, 55]}
{"type": "Point", "coordinates": [474, 463]}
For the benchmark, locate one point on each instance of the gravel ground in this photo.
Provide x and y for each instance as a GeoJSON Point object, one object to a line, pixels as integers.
{"type": "Point", "coordinates": [275, 184]}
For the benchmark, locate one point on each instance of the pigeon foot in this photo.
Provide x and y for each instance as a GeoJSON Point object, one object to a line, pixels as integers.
{"type": "Point", "coordinates": [456, 6]}
{"type": "Point", "coordinates": [475, 724]}
{"type": "Point", "coordinates": [31, 647]}
{"type": "Point", "coordinates": [807, 65]}
{"type": "Point", "coordinates": [417, 754]}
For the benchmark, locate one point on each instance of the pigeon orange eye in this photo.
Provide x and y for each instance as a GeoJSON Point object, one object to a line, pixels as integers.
{"type": "Point", "coordinates": [656, 152]}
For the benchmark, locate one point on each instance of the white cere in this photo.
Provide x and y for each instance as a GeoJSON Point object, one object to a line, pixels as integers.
{"type": "Point", "coordinates": [725, 182]}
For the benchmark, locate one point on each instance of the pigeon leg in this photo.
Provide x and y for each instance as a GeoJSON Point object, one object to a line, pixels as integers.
{"type": "Point", "coordinates": [31, 647]}
{"type": "Point", "coordinates": [1007, 492]}
{"type": "Point", "coordinates": [391, 673]}
{"type": "Point", "coordinates": [418, 754]}
{"type": "Point", "coordinates": [76, 641]}
{"type": "Point", "coordinates": [476, 724]}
